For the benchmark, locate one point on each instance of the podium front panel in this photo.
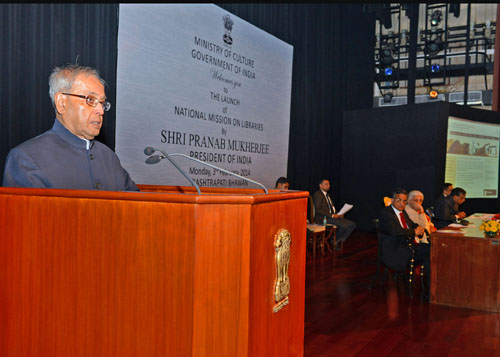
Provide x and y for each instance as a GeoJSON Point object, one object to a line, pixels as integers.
{"type": "Point", "coordinates": [158, 273]}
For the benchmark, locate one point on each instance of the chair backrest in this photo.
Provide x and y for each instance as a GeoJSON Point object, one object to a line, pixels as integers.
{"type": "Point", "coordinates": [377, 228]}
{"type": "Point", "coordinates": [311, 211]}
{"type": "Point", "coordinates": [375, 222]}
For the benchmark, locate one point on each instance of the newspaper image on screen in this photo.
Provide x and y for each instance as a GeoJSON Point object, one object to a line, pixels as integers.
{"type": "Point", "coordinates": [472, 157]}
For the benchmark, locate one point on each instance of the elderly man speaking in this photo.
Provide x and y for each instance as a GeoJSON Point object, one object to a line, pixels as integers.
{"type": "Point", "coordinates": [67, 156]}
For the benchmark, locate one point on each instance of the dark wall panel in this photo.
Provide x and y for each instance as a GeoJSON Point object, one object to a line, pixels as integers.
{"type": "Point", "coordinates": [385, 148]}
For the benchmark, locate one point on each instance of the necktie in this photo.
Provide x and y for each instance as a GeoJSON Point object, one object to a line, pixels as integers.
{"type": "Point", "coordinates": [330, 205]}
{"type": "Point", "coordinates": [403, 221]}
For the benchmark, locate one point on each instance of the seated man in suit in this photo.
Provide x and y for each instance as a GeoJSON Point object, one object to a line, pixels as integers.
{"type": "Point", "coordinates": [447, 210]}
{"type": "Point", "coordinates": [323, 206]}
{"type": "Point", "coordinates": [397, 230]}
{"type": "Point", "coordinates": [447, 188]}
{"type": "Point", "coordinates": [445, 192]}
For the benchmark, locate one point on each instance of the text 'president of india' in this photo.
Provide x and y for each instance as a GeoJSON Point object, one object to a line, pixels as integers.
{"type": "Point", "coordinates": [67, 156]}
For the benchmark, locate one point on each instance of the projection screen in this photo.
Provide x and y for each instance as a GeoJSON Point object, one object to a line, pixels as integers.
{"type": "Point", "coordinates": [472, 157]}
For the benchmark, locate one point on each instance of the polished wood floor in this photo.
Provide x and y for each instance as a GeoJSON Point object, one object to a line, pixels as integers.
{"type": "Point", "coordinates": [344, 318]}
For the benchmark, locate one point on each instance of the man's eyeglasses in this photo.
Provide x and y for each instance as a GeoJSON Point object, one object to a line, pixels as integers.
{"type": "Point", "coordinates": [400, 200]}
{"type": "Point", "coordinates": [92, 101]}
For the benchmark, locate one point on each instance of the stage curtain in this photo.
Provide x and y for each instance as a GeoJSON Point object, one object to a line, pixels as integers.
{"type": "Point", "coordinates": [36, 38]}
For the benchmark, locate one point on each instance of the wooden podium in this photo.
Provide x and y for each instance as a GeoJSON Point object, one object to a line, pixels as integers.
{"type": "Point", "coordinates": [161, 272]}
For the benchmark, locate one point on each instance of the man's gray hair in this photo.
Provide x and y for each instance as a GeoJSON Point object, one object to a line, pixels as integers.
{"type": "Point", "coordinates": [415, 193]}
{"type": "Point", "coordinates": [62, 78]}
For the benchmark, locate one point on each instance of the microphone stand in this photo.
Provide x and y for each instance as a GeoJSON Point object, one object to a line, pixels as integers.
{"type": "Point", "coordinates": [182, 172]}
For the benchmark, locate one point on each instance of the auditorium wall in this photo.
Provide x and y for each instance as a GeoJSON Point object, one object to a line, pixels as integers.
{"type": "Point", "coordinates": [400, 146]}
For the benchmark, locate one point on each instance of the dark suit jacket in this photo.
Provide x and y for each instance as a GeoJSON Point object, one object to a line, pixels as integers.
{"type": "Point", "coordinates": [444, 212]}
{"type": "Point", "coordinates": [394, 249]}
{"type": "Point", "coordinates": [321, 207]}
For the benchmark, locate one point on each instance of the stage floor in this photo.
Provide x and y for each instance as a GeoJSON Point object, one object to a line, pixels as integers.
{"type": "Point", "coordinates": [344, 318]}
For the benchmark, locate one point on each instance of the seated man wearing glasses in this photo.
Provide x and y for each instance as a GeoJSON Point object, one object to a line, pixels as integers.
{"type": "Point", "coordinates": [397, 230]}
{"type": "Point", "coordinates": [67, 156]}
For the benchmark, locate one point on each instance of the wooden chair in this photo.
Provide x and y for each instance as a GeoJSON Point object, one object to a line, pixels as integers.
{"type": "Point", "coordinates": [318, 235]}
{"type": "Point", "coordinates": [331, 229]}
{"type": "Point", "coordinates": [315, 237]}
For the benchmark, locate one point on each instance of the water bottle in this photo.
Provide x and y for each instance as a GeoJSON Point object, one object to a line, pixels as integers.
{"type": "Point", "coordinates": [324, 221]}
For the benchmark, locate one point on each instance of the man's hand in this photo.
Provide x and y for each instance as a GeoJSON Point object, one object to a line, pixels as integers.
{"type": "Point", "coordinates": [419, 231]}
{"type": "Point", "coordinates": [461, 215]}
{"type": "Point", "coordinates": [338, 216]}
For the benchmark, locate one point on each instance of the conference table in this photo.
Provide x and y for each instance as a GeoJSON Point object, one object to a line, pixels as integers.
{"type": "Point", "coordinates": [465, 266]}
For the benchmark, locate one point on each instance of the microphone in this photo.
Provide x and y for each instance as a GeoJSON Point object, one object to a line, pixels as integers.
{"type": "Point", "coordinates": [157, 158]}
{"type": "Point", "coordinates": [153, 159]}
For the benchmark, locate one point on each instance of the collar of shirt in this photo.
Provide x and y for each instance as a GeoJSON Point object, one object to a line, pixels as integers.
{"type": "Point", "coordinates": [70, 138]}
{"type": "Point", "coordinates": [397, 212]}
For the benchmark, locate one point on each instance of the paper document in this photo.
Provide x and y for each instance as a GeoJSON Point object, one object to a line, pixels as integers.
{"type": "Point", "coordinates": [422, 240]}
{"type": "Point", "coordinates": [347, 207]}
{"type": "Point", "coordinates": [451, 231]}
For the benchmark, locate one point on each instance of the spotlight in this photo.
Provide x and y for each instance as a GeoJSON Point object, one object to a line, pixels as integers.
{"type": "Point", "coordinates": [435, 68]}
{"type": "Point", "coordinates": [433, 94]}
{"type": "Point", "coordinates": [387, 55]}
{"type": "Point", "coordinates": [388, 71]}
{"type": "Point", "coordinates": [436, 17]}
{"type": "Point", "coordinates": [487, 30]}
{"type": "Point", "coordinates": [388, 97]}
{"type": "Point", "coordinates": [434, 47]}
{"type": "Point", "coordinates": [404, 37]}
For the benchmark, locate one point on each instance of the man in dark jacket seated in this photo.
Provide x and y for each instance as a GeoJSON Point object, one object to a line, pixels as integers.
{"type": "Point", "coordinates": [397, 231]}
{"type": "Point", "coordinates": [447, 210]}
